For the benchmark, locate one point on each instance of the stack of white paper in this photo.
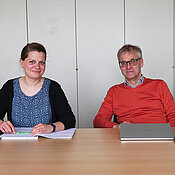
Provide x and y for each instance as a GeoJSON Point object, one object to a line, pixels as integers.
{"type": "Point", "coordinates": [24, 133]}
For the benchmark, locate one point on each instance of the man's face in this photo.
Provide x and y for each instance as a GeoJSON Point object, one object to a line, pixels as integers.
{"type": "Point", "coordinates": [131, 72]}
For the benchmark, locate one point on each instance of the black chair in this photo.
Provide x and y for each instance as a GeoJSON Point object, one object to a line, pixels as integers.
{"type": "Point", "coordinates": [115, 119]}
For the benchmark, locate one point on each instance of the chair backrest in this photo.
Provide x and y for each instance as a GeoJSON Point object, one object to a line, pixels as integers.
{"type": "Point", "coordinates": [115, 119]}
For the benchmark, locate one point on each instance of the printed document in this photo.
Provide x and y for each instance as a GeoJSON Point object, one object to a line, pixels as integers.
{"type": "Point", "coordinates": [24, 133]}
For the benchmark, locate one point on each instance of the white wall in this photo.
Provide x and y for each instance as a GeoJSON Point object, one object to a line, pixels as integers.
{"type": "Point", "coordinates": [173, 48]}
{"type": "Point", "coordinates": [13, 37]}
{"type": "Point", "coordinates": [82, 38]}
{"type": "Point", "coordinates": [100, 32]}
{"type": "Point", "coordinates": [151, 27]}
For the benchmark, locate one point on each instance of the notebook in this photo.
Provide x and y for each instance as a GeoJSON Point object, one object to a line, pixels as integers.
{"type": "Point", "coordinates": [153, 131]}
{"type": "Point", "coordinates": [24, 133]}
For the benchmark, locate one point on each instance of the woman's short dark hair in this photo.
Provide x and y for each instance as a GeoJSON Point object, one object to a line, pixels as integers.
{"type": "Point", "coordinates": [32, 47]}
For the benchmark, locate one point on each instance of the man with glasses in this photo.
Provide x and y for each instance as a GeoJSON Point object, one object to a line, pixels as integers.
{"type": "Point", "coordinates": [138, 99]}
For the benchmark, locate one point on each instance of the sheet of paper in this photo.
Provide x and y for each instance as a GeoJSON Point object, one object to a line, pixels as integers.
{"type": "Point", "coordinates": [65, 134]}
{"type": "Point", "coordinates": [54, 135]}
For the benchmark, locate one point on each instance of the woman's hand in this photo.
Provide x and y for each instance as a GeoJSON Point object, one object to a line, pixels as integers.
{"type": "Point", "coordinates": [7, 127]}
{"type": "Point", "coordinates": [41, 128]}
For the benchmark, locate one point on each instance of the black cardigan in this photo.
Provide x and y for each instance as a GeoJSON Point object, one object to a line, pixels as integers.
{"type": "Point", "coordinates": [61, 110]}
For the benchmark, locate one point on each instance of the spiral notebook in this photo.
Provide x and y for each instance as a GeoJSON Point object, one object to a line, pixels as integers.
{"type": "Point", "coordinates": [153, 131]}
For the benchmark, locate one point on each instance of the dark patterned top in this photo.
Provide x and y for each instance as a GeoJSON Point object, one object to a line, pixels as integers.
{"type": "Point", "coordinates": [28, 111]}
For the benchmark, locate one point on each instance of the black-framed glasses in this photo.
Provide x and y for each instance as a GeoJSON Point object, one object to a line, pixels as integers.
{"type": "Point", "coordinates": [131, 62]}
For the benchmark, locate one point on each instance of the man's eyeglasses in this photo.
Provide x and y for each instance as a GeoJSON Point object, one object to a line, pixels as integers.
{"type": "Point", "coordinates": [132, 62]}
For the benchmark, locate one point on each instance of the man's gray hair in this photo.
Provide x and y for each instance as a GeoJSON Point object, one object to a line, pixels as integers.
{"type": "Point", "coordinates": [129, 48]}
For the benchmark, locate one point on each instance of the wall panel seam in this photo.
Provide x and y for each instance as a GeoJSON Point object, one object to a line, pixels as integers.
{"type": "Point", "coordinates": [27, 22]}
{"type": "Point", "coordinates": [76, 62]}
{"type": "Point", "coordinates": [124, 20]}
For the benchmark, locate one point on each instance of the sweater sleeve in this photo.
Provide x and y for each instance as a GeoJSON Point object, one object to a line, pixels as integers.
{"type": "Point", "coordinates": [168, 102]}
{"type": "Point", "coordinates": [61, 110]}
{"type": "Point", "coordinates": [105, 113]}
{"type": "Point", "coordinates": [6, 95]}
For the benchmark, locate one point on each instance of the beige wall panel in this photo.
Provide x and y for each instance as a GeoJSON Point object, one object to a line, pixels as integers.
{"type": "Point", "coordinates": [13, 37]}
{"type": "Point", "coordinates": [149, 24]}
{"type": "Point", "coordinates": [52, 24]}
{"type": "Point", "coordinates": [100, 34]}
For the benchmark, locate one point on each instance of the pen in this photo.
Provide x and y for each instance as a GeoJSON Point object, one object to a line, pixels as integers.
{"type": "Point", "coordinates": [22, 133]}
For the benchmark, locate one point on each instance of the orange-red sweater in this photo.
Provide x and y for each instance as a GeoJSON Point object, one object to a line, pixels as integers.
{"type": "Point", "coordinates": [150, 102]}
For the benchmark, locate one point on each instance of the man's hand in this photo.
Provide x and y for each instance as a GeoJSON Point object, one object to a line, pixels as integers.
{"type": "Point", "coordinates": [118, 126]}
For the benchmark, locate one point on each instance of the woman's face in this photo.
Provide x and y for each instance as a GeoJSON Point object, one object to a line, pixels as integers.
{"type": "Point", "coordinates": [34, 65]}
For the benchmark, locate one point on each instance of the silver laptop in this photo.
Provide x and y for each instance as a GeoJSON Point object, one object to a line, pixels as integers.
{"type": "Point", "coordinates": [156, 131]}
